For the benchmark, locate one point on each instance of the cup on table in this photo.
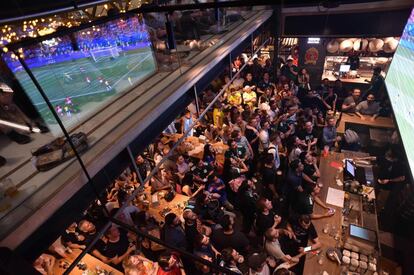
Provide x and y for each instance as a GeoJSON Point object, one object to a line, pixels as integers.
{"type": "Point", "coordinates": [326, 228]}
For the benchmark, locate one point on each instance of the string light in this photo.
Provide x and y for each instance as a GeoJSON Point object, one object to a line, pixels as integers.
{"type": "Point", "coordinates": [41, 26]}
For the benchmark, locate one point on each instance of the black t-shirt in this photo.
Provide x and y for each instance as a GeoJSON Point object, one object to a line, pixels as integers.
{"type": "Point", "coordinates": [309, 170]}
{"type": "Point", "coordinates": [143, 168]}
{"type": "Point", "coordinates": [307, 137]}
{"type": "Point", "coordinates": [190, 234]}
{"type": "Point", "coordinates": [303, 203]}
{"type": "Point", "coordinates": [247, 203]}
{"type": "Point", "coordinates": [330, 100]}
{"type": "Point", "coordinates": [73, 237]}
{"type": "Point", "coordinates": [268, 176]}
{"type": "Point", "coordinates": [283, 126]}
{"type": "Point", "coordinates": [263, 85]}
{"type": "Point", "coordinates": [110, 250]}
{"type": "Point", "coordinates": [250, 135]}
{"type": "Point", "coordinates": [341, 92]}
{"type": "Point", "coordinates": [389, 169]}
{"type": "Point", "coordinates": [354, 62]}
{"type": "Point", "coordinates": [264, 222]}
{"type": "Point", "coordinates": [310, 102]}
{"type": "Point", "coordinates": [302, 234]}
{"type": "Point", "coordinates": [237, 240]}
{"type": "Point", "coordinates": [250, 83]}
{"type": "Point", "coordinates": [203, 171]}
{"type": "Point", "coordinates": [293, 180]}
{"type": "Point", "coordinates": [211, 211]}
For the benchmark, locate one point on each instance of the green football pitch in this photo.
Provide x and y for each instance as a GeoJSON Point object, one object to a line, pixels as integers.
{"type": "Point", "coordinates": [86, 81]}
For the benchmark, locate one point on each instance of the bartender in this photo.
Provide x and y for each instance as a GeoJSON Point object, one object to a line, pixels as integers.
{"type": "Point", "coordinates": [391, 172]}
{"type": "Point", "coordinates": [377, 84]}
{"type": "Point", "coordinates": [353, 61]}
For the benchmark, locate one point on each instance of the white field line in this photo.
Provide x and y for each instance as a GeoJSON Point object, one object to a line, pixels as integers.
{"type": "Point", "coordinates": [101, 91]}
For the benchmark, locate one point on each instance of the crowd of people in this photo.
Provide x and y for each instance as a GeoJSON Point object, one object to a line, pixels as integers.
{"type": "Point", "coordinates": [251, 213]}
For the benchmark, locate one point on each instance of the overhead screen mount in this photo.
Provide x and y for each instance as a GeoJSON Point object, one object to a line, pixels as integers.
{"type": "Point", "coordinates": [399, 82]}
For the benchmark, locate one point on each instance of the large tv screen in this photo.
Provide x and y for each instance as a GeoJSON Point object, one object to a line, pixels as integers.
{"type": "Point", "coordinates": [400, 86]}
{"type": "Point", "coordinates": [82, 72]}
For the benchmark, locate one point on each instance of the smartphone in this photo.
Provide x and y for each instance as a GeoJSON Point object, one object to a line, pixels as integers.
{"type": "Point", "coordinates": [307, 249]}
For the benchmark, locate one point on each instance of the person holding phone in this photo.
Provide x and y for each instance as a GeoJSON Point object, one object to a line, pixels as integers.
{"type": "Point", "coordinates": [306, 238]}
{"type": "Point", "coordinates": [274, 249]}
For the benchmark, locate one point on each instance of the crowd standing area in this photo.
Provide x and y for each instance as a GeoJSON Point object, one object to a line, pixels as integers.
{"type": "Point", "coordinates": [240, 191]}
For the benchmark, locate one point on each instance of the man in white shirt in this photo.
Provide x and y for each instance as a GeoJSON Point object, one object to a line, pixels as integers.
{"type": "Point", "coordinates": [274, 149]}
{"type": "Point", "coordinates": [264, 136]}
{"type": "Point", "coordinates": [273, 248]}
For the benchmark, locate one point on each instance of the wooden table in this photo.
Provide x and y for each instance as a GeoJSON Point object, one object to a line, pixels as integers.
{"type": "Point", "coordinates": [328, 174]}
{"type": "Point", "coordinates": [91, 262]}
{"type": "Point", "coordinates": [379, 122]}
{"type": "Point", "coordinates": [176, 205]}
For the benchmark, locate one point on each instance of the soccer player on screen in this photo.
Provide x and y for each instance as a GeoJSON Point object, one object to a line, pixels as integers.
{"type": "Point", "coordinates": [107, 85]}
{"type": "Point", "coordinates": [67, 76]}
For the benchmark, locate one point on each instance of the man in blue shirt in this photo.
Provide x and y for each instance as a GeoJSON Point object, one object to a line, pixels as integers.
{"type": "Point", "coordinates": [329, 136]}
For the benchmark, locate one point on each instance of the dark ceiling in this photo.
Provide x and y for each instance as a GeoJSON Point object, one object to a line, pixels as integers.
{"type": "Point", "coordinates": [22, 8]}
{"type": "Point", "coordinates": [18, 8]}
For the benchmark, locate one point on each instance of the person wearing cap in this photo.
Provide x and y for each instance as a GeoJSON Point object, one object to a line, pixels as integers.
{"type": "Point", "coordinates": [289, 70]}
{"type": "Point", "coordinates": [249, 96]}
{"type": "Point", "coordinates": [258, 264]}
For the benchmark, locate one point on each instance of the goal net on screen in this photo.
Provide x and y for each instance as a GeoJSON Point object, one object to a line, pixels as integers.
{"type": "Point", "coordinates": [104, 54]}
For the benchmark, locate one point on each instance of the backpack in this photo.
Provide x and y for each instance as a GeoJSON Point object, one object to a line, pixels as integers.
{"type": "Point", "coordinates": [351, 137]}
